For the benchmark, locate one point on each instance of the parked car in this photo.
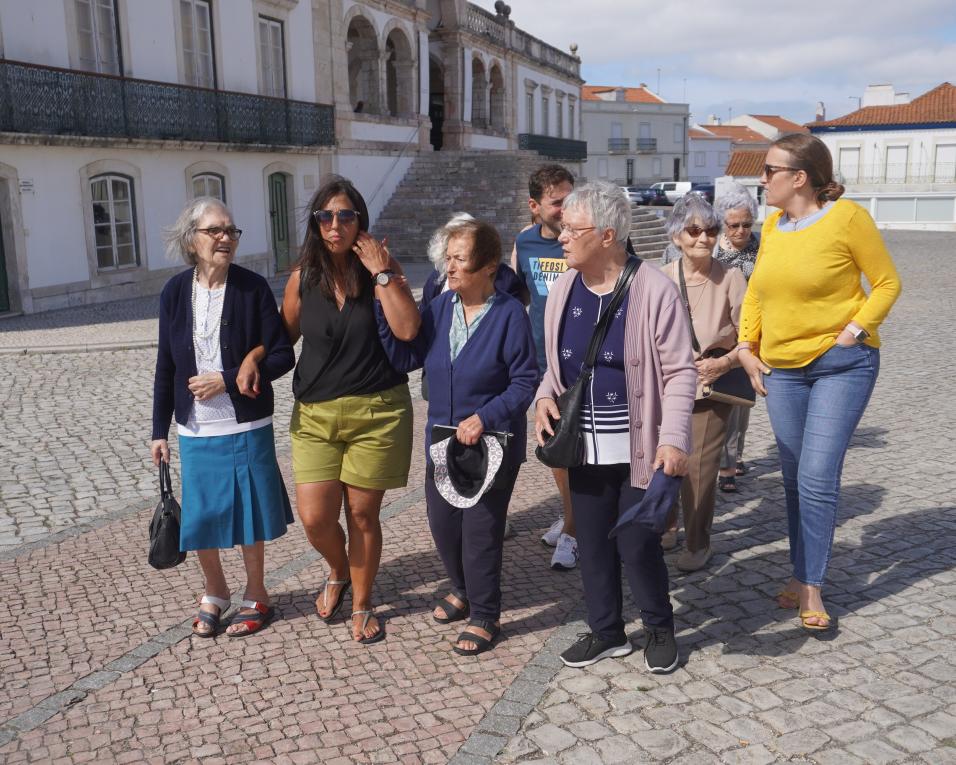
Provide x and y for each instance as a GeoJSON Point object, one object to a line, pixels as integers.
{"type": "Point", "coordinates": [673, 190]}
{"type": "Point", "coordinates": [654, 196]}
{"type": "Point", "coordinates": [706, 190]}
{"type": "Point", "coordinates": [635, 193]}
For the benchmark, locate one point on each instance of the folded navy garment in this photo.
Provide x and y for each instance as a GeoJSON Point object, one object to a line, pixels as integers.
{"type": "Point", "coordinates": [651, 512]}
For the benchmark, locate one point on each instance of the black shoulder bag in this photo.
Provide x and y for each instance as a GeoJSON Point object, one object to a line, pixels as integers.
{"type": "Point", "coordinates": [164, 528]}
{"type": "Point", "coordinates": [732, 387]}
{"type": "Point", "coordinates": [566, 447]}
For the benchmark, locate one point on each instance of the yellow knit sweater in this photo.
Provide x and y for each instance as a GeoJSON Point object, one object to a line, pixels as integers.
{"type": "Point", "coordinates": [806, 286]}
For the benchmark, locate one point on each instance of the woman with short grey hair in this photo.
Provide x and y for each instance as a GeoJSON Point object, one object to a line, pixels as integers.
{"type": "Point", "coordinates": [736, 248]}
{"type": "Point", "coordinates": [210, 317]}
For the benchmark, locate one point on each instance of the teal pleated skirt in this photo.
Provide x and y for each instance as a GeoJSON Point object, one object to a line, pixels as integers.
{"type": "Point", "coordinates": [233, 493]}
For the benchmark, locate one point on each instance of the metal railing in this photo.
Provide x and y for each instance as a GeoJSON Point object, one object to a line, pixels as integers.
{"type": "Point", "coordinates": [940, 172]}
{"type": "Point", "coordinates": [618, 144]}
{"type": "Point", "coordinates": [556, 148]}
{"type": "Point", "coordinates": [52, 101]}
{"type": "Point", "coordinates": [645, 144]}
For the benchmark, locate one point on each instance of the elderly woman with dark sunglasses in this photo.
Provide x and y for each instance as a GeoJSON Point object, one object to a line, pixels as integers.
{"type": "Point", "coordinates": [712, 295]}
{"type": "Point", "coordinates": [736, 248]}
{"type": "Point", "coordinates": [352, 420]}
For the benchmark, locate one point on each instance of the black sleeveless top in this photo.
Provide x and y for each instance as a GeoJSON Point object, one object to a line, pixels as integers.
{"type": "Point", "coordinates": [341, 353]}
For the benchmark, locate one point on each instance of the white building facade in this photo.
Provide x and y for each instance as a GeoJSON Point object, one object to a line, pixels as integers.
{"type": "Point", "coordinates": [113, 113]}
{"type": "Point", "coordinates": [634, 136]}
{"type": "Point", "coordinates": [708, 155]}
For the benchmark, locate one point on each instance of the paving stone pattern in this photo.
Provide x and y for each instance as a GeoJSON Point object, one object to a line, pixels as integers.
{"type": "Point", "coordinates": [96, 662]}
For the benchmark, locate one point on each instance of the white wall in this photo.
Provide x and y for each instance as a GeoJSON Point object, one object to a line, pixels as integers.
{"type": "Point", "coordinates": [716, 156]}
{"type": "Point", "coordinates": [35, 32]}
{"type": "Point", "coordinates": [548, 78]}
{"type": "Point", "coordinates": [921, 152]}
{"type": "Point", "coordinates": [375, 176]}
{"type": "Point", "coordinates": [151, 53]}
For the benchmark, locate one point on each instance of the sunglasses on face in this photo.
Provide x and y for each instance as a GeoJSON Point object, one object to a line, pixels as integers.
{"type": "Point", "coordinates": [738, 226]}
{"type": "Point", "coordinates": [325, 217]}
{"type": "Point", "coordinates": [769, 170]}
{"type": "Point", "coordinates": [217, 231]}
{"type": "Point", "coordinates": [696, 231]}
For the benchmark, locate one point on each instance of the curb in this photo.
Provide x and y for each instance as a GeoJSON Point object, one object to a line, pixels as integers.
{"type": "Point", "coordinates": [132, 345]}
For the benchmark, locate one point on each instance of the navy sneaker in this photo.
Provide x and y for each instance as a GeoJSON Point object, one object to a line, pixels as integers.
{"type": "Point", "coordinates": [591, 648]}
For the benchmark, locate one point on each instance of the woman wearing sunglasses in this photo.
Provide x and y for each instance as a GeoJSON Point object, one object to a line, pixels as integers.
{"type": "Point", "coordinates": [352, 420]}
{"type": "Point", "coordinates": [712, 294]}
{"type": "Point", "coordinates": [807, 317]}
{"type": "Point", "coordinates": [211, 315]}
{"type": "Point", "coordinates": [736, 248]}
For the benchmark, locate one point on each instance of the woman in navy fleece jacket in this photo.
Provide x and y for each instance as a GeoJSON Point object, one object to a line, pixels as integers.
{"type": "Point", "coordinates": [478, 352]}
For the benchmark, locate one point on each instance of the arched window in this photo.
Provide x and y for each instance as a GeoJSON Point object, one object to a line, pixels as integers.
{"type": "Point", "coordinates": [114, 221]}
{"type": "Point", "coordinates": [399, 75]}
{"type": "Point", "coordinates": [363, 66]}
{"type": "Point", "coordinates": [497, 98]}
{"type": "Point", "coordinates": [479, 94]}
{"type": "Point", "coordinates": [209, 185]}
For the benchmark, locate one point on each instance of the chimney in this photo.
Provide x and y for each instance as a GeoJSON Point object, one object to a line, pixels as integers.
{"type": "Point", "coordinates": [821, 113]}
{"type": "Point", "coordinates": [618, 94]}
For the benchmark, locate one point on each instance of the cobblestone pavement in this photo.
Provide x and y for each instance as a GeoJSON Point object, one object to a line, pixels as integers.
{"type": "Point", "coordinates": [96, 662]}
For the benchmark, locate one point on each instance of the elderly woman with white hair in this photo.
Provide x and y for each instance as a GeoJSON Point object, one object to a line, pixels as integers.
{"type": "Point", "coordinates": [736, 248]}
{"type": "Point", "coordinates": [211, 315]}
{"type": "Point", "coordinates": [713, 295]}
{"type": "Point", "coordinates": [635, 419]}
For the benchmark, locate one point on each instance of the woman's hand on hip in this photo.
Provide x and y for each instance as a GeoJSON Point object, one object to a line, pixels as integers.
{"type": "Point", "coordinates": [470, 430]}
{"type": "Point", "coordinates": [159, 450]}
{"type": "Point", "coordinates": [207, 385]}
{"type": "Point", "coordinates": [846, 339]}
{"type": "Point", "coordinates": [754, 368]}
{"type": "Point", "coordinates": [373, 253]}
{"type": "Point", "coordinates": [545, 410]}
{"type": "Point", "coordinates": [672, 460]}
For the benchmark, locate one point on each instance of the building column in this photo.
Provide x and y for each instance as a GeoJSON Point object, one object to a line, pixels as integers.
{"type": "Point", "coordinates": [466, 101]}
{"type": "Point", "coordinates": [424, 65]}
{"type": "Point", "coordinates": [383, 82]}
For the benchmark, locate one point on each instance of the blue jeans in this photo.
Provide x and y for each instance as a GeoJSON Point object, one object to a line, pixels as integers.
{"type": "Point", "coordinates": [814, 411]}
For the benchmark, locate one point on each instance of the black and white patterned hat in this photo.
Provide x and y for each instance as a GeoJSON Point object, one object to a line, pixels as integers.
{"type": "Point", "coordinates": [464, 473]}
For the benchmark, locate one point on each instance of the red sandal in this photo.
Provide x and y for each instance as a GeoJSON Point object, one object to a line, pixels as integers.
{"type": "Point", "coordinates": [254, 622]}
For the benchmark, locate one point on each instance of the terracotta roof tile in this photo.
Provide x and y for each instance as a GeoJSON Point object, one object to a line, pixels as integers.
{"type": "Point", "coordinates": [631, 95]}
{"type": "Point", "coordinates": [936, 105]}
{"type": "Point", "coordinates": [739, 134]}
{"type": "Point", "coordinates": [695, 132]}
{"type": "Point", "coordinates": [748, 164]}
{"type": "Point", "coordinates": [780, 123]}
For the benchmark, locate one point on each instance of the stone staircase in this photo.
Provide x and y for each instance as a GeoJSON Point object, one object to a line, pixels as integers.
{"type": "Point", "coordinates": [491, 185]}
{"type": "Point", "coordinates": [648, 232]}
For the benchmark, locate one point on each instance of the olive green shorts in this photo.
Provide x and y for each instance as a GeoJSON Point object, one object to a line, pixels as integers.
{"type": "Point", "coordinates": [364, 441]}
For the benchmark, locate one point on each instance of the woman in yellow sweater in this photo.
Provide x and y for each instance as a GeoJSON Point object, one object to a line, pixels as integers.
{"type": "Point", "coordinates": [807, 319]}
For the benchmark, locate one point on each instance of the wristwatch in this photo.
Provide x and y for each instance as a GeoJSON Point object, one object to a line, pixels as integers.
{"type": "Point", "coordinates": [384, 277]}
{"type": "Point", "coordinates": [859, 334]}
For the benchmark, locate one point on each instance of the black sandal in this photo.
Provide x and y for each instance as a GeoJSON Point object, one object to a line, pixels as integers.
{"type": "Point", "coordinates": [727, 483]}
{"type": "Point", "coordinates": [482, 643]}
{"type": "Point", "coordinates": [452, 612]}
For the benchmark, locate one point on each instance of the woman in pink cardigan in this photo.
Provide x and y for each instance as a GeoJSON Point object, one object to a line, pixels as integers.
{"type": "Point", "coordinates": [636, 418]}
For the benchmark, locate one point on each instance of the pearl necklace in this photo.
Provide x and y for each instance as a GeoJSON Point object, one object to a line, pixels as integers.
{"type": "Point", "coordinates": [201, 339]}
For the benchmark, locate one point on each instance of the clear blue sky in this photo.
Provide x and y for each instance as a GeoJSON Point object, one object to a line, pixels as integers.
{"type": "Point", "coordinates": [751, 56]}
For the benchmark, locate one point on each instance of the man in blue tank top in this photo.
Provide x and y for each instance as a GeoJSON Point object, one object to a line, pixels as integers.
{"type": "Point", "coordinates": [538, 259]}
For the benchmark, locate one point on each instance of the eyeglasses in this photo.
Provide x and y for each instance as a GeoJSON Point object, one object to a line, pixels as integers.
{"type": "Point", "coordinates": [346, 217]}
{"type": "Point", "coordinates": [575, 233]}
{"type": "Point", "coordinates": [696, 231]}
{"type": "Point", "coordinates": [217, 231]}
{"type": "Point", "coordinates": [736, 226]}
{"type": "Point", "coordinates": [769, 170]}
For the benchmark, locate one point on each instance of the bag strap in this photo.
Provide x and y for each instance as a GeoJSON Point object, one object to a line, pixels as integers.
{"type": "Point", "coordinates": [604, 323]}
{"type": "Point", "coordinates": [683, 295]}
{"type": "Point", "coordinates": [165, 480]}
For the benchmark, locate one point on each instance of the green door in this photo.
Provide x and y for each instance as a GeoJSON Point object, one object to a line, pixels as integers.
{"type": "Point", "coordinates": [279, 215]}
{"type": "Point", "coordinates": [4, 293]}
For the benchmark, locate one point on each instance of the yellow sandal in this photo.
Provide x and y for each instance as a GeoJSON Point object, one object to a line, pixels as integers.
{"type": "Point", "coordinates": [804, 615]}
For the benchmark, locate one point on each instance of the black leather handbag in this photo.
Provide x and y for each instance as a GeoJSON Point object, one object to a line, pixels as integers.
{"type": "Point", "coordinates": [565, 448]}
{"type": "Point", "coordinates": [164, 528]}
{"type": "Point", "coordinates": [733, 387]}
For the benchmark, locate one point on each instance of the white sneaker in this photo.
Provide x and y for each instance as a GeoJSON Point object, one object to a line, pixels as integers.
{"type": "Point", "coordinates": [550, 537]}
{"type": "Point", "coordinates": [565, 555]}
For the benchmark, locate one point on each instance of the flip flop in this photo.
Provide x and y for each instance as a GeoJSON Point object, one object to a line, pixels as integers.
{"type": "Point", "coordinates": [380, 635]}
{"type": "Point", "coordinates": [254, 622]}
{"type": "Point", "coordinates": [338, 601]}
{"type": "Point", "coordinates": [213, 620]}
{"type": "Point", "coordinates": [482, 644]}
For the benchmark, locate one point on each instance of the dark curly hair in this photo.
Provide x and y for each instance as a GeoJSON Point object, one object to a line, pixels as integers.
{"type": "Point", "coordinates": [315, 260]}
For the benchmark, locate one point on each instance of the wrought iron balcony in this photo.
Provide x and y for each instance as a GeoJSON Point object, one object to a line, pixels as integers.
{"type": "Point", "coordinates": [616, 145]}
{"type": "Point", "coordinates": [646, 144]}
{"type": "Point", "coordinates": [555, 148]}
{"type": "Point", "coordinates": [51, 101]}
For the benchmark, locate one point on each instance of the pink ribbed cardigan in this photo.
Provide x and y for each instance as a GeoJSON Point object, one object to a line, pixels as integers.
{"type": "Point", "coordinates": [658, 365]}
